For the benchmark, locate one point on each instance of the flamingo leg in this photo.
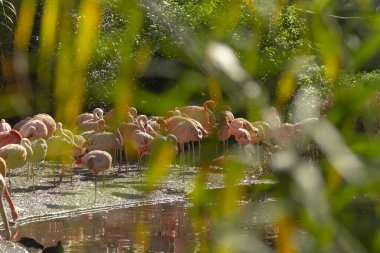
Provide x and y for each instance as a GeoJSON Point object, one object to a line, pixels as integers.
{"type": "Point", "coordinates": [10, 182]}
{"type": "Point", "coordinates": [4, 216]}
{"type": "Point", "coordinates": [33, 177]}
{"type": "Point", "coordinates": [188, 154]}
{"type": "Point", "coordinates": [183, 160]}
{"type": "Point", "coordinates": [192, 144]}
{"type": "Point", "coordinates": [96, 177]}
{"type": "Point", "coordinates": [28, 174]}
{"type": "Point", "coordinates": [199, 151]}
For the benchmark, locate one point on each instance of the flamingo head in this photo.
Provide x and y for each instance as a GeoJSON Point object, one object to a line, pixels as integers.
{"type": "Point", "coordinates": [210, 103]}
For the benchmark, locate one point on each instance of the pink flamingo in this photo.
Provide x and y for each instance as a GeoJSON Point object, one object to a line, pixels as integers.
{"type": "Point", "coordinates": [169, 124]}
{"type": "Point", "coordinates": [96, 161]}
{"type": "Point", "coordinates": [4, 193]}
{"type": "Point", "coordinates": [106, 141]}
{"type": "Point", "coordinates": [16, 155]}
{"type": "Point", "coordinates": [186, 132]}
{"type": "Point", "coordinates": [34, 129]}
{"type": "Point", "coordinates": [9, 137]}
{"type": "Point", "coordinates": [222, 134]}
{"type": "Point", "coordinates": [202, 114]}
{"type": "Point", "coordinates": [39, 148]}
{"type": "Point", "coordinates": [172, 122]}
{"type": "Point", "coordinates": [283, 134]}
{"type": "Point", "coordinates": [242, 123]}
{"type": "Point", "coordinates": [90, 125]}
{"type": "Point", "coordinates": [96, 114]}
{"type": "Point", "coordinates": [4, 126]}
{"type": "Point", "coordinates": [19, 124]}
{"type": "Point", "coordinates": [242, 137]}
{"type": "Point", "coordinates": [110, 117]}
{"type": "Point", "coordinates": [48, 121]}
{"type": "Point", "coordinates": [141, 142]}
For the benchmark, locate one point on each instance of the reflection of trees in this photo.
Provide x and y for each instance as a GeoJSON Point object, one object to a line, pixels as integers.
{"type": "Point", "coordinates": [166, 227]}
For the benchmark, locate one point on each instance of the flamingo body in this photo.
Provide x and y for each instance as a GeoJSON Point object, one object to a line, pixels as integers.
{"type": "Point", "coordinates": [9, 137]}
{"type": "Point", "coordinates": [34, 129]}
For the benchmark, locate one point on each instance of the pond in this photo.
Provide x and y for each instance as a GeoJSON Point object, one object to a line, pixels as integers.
{"type": "Point", "coordinates": [149, 228]}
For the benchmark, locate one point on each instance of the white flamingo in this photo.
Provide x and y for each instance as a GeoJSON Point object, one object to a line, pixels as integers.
{"type": "Point", "coordinates": [62, 152]}
{"type": "Point", "coordinates": [39, 148]}
{"type": "Point", "coordinates": [4, 126]}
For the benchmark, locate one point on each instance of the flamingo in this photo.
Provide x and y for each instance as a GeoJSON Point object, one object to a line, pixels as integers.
{"type": "Point", "coordinates": [39, 148]}
{"type": "Point", "coordinates": [9, 137]}
{"type": "Point", "coordinates": [283, 134]}
{"type": "Point", "coordinates": [242, 123]}
{"type": "Point", "coordinates": [222, 134]}
{"type": "Point", "coordinates": [96, 161]}
{"type": "Point", "coordinates": [202, 114]}
{"type": "Point", "coordinates": [48, 121]}
{"type": "Point", "coordinates": [89, 125]}
{"type": "Point", "coordinates": [273, 118]}
{"type": "Point", "coordinates": [65, 133]}
{"type": "Point", "coordinates": [110, 117]}
{"type": "Point", "coordinates": [141, 142]}
{"type": "Point", "coordinates": [34, 129]}
{"type": "Point", "coordinates": [305, 125]}
{"type": "Point", "coordinates": [4, 193]}
{"type": "Point", "coordinates": [126, 132]}
{"type": "Point", "coordinates": [242, 137]}
{"type": "Point", "coordinates": [105, 141]}
{"type": "Point", "coordinates": [159, 141]}
{"type": "Point", "coordinates": [96, 114]}
{"type": "Point", "coordinates": [4, 126]}
{"type": "Point", "coordinates": [172, 122]}
{"type": "Point", "coordinates": [62, 151]}
{"type": "Point", "coordinates": [168, 125]}
{"type": "Point", "coordinates": [19, 124]}
{"type": "Point", "coordinates": [264, 130]}
{"type": "Point", "coordinates": [186, 132]}
{"type": "Point", "coordinates": [301, 129]}
{"type": "Point", "coordinates": [16, 155]}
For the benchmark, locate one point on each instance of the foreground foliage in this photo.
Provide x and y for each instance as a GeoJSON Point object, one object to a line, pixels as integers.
{"type": "Point", "coordinates": [250, 55]}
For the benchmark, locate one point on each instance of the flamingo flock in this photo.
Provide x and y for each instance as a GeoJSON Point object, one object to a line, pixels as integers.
{"type": "Point", "coordinates": [40, 138]}
{"type": "Point", "coordinates": [101, 140]}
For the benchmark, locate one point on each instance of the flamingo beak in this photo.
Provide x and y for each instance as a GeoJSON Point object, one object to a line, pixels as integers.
{"type": "Point", "coordinates": [78, 161]}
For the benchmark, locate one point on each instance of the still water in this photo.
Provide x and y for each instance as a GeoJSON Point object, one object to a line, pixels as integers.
{"type": "Point", "coordinates": [150, 228]}
{"type": "Point", "coordinates": [165, 226]}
